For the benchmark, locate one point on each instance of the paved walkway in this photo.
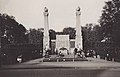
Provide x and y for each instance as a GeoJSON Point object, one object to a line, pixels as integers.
{"type": "Point", "coordinates": [89, 59]}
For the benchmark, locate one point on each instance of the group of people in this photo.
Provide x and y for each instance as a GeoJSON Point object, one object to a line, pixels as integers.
{"type": "Point", "coordinates": [79, 53]}
{"type": "Point", "coordinates": [91, 53]}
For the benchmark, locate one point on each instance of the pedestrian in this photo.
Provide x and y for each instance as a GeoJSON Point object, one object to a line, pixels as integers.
{"type": "Point", "coordinates": [75, 51]}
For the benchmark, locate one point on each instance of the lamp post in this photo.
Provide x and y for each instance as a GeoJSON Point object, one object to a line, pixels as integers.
{"type": "Point", "coordinates": [0, 46]}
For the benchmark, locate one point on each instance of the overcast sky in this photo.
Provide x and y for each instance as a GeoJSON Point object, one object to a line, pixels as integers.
{"type": "Point", "coordinates": [62, 12]}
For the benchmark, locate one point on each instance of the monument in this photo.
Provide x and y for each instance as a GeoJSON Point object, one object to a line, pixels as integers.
{"type": "Point", "coordinates": [46, 31]}
{"type": "Point", "coordinates": [62, 41]}
{"type": "Point", "coordinates": [78, 38]}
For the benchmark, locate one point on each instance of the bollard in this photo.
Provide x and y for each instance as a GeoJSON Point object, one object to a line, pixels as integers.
{"type": "Point", "coordinates": [105, 58]}
{"type": "Point", "coordinates": [113, 59]}
{"type": "Point", "coordinates": [41, 60]}
{"type": "Point", "coordinates": [73, 60]}
{"type": "Point", "coordinates": [94, 56]}
{"type": "Point", "coordinates": [64, 60]}
{"type": "Point", "coordinates": [57, 60]}
{"type": "Point", "coordinates": [98, 56]}
{"type": "Point", "coordinates": [49, 59]}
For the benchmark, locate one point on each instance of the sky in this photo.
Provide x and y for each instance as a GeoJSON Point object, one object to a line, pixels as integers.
{"type": "Point", "coordinates": [61, 12]}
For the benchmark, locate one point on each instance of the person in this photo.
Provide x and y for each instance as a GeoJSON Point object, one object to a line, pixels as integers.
{"type": "Point", "coordinates": [83, 54]}
{"type": "Point", "coordinates": [61, 54]}
{"type": "Point", "coordinates": [56, 51]}
{"type": "Point", "coordinates": [94, 54]}
{"type": "Point", "coordinates": [75, 51]}
{"type": "Point", "coordinates": [108, 55]}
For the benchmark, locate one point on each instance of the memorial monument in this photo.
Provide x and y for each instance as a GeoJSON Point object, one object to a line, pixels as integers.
{"type": "Point", "coordinates": [78, 38]}
{"type": "Point", "coordinates": [62, 41]}
{"type": "Point", "coordinates": [46, 31]}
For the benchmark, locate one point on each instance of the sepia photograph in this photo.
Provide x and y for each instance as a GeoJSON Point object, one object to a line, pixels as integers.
{"type": "Point", "coordinates": [59, 38]}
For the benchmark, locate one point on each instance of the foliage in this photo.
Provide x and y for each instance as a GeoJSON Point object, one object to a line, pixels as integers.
{"type": "Point", "coordinates": [91, 36]}
{"type": "Point", "coordinates": [52, 34]}
{"type": "Point", "coordinates": [35, 36]}
{"type": "Point", "coordinates": [71, 31]}
{"type": "Point", "coordinates": [11, 31]}
{"type": "Point", "coordinates": [110, 21]}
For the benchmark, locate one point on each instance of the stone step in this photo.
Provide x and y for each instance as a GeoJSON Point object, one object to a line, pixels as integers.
{"type": "Point", "coordinates": [63, 59]}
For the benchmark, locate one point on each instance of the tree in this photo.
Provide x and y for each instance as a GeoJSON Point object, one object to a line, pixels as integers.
{"type": "Point", "coordinates": [35, 36]}
{"type": "Point", "coordinates": [52, 34]}
{"type": "Point", "coordinates": [110, 21]}
{"type": "Point", "coordinates": [71, 31]}
{"type": "Point", "coordinates": [11, 31]}
{"type": "Point", "coordinates": [91, 36]}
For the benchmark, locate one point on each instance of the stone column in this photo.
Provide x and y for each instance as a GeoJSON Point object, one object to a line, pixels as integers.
{"type": "Point", "coordinates": [46, 31]}
{"type": "Point", "coordinates": [78, 38]}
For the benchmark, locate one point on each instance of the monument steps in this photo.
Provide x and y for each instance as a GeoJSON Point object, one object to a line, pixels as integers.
{"type": "Point", "coordinates": [55, 58]}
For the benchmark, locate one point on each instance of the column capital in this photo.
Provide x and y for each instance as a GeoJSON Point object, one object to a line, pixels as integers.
{"type": "Point", "coordinates": [78, 11]}
{"type": "Point", "coordinates": [46, 11]}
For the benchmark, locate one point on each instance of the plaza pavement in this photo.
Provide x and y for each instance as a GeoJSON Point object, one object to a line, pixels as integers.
{"type": "Point", "coordinates": [92, 63]}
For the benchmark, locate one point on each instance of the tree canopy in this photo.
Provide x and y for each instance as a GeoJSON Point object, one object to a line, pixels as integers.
{"type": "Point", "coordinates": [11, 31]}
{"type": "Point", "coordinates": [35, 36]}
{"type": "Point", "coordinates": [110, 21]}
{"type": "Point", "coordinates": [71, 31]}
{"type": "Point", "coordinates": [52, 34]}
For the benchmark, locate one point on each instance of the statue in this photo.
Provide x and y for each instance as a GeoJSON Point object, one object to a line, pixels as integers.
{"type": "Point", "coordinates": [45, 9]}
{"type": "Point", "coordinates": [78, 9]}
